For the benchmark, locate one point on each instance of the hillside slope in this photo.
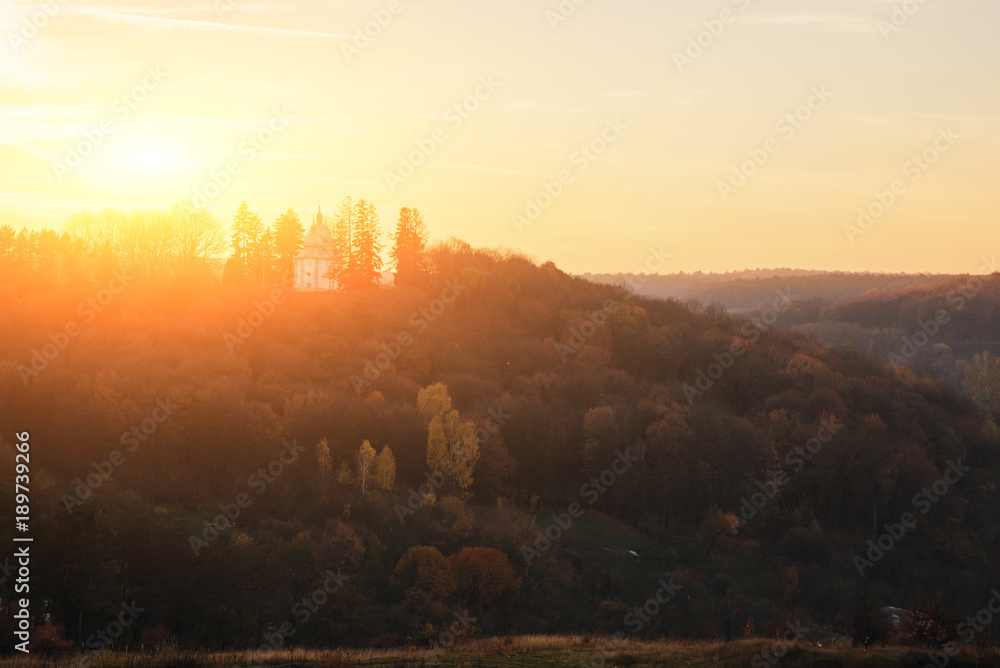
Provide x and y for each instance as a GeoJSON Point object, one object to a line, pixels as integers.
{"type": "Point", "coordinates": [756, 463]}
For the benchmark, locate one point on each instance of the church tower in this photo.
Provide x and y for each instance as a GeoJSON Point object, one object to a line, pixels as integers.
{"type": "Point", "coordinates": [316, 266]}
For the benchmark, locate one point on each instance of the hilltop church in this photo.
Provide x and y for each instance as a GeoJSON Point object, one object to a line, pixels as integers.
{"type": "Point", "coordinates": [316, 266]}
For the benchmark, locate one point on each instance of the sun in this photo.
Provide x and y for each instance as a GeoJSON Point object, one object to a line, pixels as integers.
{"type": "Point", "coordinates": [130, 165]}
{"type": "Point", "coordinates": [153, 158]}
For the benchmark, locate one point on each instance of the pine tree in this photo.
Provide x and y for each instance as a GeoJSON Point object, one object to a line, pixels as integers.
{"type": "Point", "coordinates": [264, 260]}
{"type": "Point", "coordinates": [247, 232]}
{"type": "Point", "coordinates": [342, 233]}
{"type": "Point", "coordinates": [408, 252]}
{"type": "Point", "coordinates": [288, 235]}
{"type": "Point", "coordinates": [364, 268]}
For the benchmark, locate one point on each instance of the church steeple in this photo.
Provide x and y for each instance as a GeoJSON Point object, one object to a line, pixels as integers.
{"type": "Point", "coordinates": [319, 214]}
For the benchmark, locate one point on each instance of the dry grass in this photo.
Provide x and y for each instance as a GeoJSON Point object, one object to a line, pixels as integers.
{"type": "Point", "coordinates": [531, 651]}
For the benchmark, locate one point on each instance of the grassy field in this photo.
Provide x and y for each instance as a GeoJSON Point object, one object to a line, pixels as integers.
{"type": "Point", "coordinates": [528, 652]}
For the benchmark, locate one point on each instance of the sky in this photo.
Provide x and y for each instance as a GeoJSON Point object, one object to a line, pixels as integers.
{"type": "Point", "coordinates": [603, 135]}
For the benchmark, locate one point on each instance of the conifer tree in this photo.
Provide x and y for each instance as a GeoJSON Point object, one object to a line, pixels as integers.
{"type": "Point", "coordinates": [364, 268]}
{"type": "Point", "coordinates": [246, 238]}
{"type": "Point", "coordinates": [408, 251]}
{"type": "Point", "coordinates": [288, 236]}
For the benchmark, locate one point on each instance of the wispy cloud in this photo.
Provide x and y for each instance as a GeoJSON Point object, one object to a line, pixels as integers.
{"type": "Point", "coordinates": [501, 170]}
{"type": "Point", "coordinates": [204, 26]}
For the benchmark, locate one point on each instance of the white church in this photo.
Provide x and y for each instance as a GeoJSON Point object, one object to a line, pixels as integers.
{"type": "Point", "coordinates": [316, 266]}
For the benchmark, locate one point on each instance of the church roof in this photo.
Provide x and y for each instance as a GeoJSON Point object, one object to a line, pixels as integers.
{"type": "Point", "coordinates": [318, 243]}
{"type": "Point", "coordinates": [318, 235]}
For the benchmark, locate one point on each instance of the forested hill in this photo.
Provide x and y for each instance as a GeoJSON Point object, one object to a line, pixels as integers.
{"type": "Point", "coordinates": [230, 447]}
{"type": "Point", "coordinates": [949, 330]}
{"type": "Point", "coordinates": [752, 289]}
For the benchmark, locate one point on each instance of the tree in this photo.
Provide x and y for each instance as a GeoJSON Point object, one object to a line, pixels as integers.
{"type": "Point", "coordinates": [385, 469]}
{"type": "Point", "coordinates": [482, 575]}
{"type": "Point", "coordinates": [343, 226]}
{"type": "Point", "coordinates": [982, 379]}
{"type": "Point", "coordinates": [246, 239]}
{"type": "Point", "coordinates": [364, 267]}
{"type": "Point", "coordinates": [198, 236]}
{"type": "Point", "coordinates": [426, 577]}
{"type": "Point", "coordinates": [7, 240]}
{"type": "Point", "coordinates": [288, 236]}
{"type": "Point", "coordinates": [265, 259]}
{"type": "Point", "coordinates": [344, 474]}
{"type": "Point", "coordinates": [452, 445]}
{"type": "Point", "coordinates": [408, 253]}
{"type": "Point", "coordinates": [928, 622]}
{"type": "Point", "coordinates": [366, 464]}
{"type": "Point", "coordinates": [870, 625]}
{"type": "Point", "coordinates": [323, 461]}
{"type": "Point", "coordinates": [433, 401]}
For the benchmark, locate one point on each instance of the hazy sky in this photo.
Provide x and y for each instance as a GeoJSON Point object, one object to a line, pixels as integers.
{"type": "Point", "coordinates": [282, 100]}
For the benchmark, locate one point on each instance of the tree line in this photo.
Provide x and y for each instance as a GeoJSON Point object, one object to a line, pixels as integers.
{"type": "Point", "coordinates": [189, 243]}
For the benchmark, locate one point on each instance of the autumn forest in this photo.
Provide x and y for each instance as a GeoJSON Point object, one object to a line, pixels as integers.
{"type": "Point", "coordinates": [469, 445]}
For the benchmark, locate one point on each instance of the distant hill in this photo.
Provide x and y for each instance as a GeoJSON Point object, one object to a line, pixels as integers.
{"type": "Point", "coordinates": [753, 289]}
{"type": "Point", "coordinates": [934, 328]}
